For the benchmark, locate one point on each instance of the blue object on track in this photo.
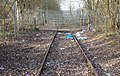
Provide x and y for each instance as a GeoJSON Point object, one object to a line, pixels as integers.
{"type": "Point", "coordinates": [69, 36]}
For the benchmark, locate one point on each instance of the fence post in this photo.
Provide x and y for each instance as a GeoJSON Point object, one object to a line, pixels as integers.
{"type": "Point", "coordinates": [15, 18]}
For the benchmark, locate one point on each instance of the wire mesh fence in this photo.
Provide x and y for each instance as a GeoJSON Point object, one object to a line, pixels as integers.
{"type": "Point", "coordinates": [19, 17]}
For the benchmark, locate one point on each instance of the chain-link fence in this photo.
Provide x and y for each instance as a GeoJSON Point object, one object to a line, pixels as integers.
{"type": "Point", "coordinates": [18, 17]}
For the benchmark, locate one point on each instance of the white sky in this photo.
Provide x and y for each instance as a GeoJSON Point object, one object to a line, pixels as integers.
{"type": "Point", "coordinates": [75, 4]}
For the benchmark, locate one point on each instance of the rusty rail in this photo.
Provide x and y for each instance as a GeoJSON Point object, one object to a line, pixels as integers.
{"type": "Point", "coordinates": [85, 56]}
{"type": "Point", "coordinates": [46, 54]}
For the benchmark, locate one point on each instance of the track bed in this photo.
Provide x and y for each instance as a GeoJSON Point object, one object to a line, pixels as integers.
{"type": "Point", "coordinates": [65, 59]}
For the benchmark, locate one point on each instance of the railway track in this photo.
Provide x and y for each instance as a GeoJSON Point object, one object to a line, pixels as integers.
{"type": "Point", "coordinates": [66, 57]}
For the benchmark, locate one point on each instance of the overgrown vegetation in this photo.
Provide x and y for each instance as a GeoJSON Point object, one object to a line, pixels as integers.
{"type": "Point", "coordinates": [20, 15]}
{"type": "Point", "coordinates": [104, 13]}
